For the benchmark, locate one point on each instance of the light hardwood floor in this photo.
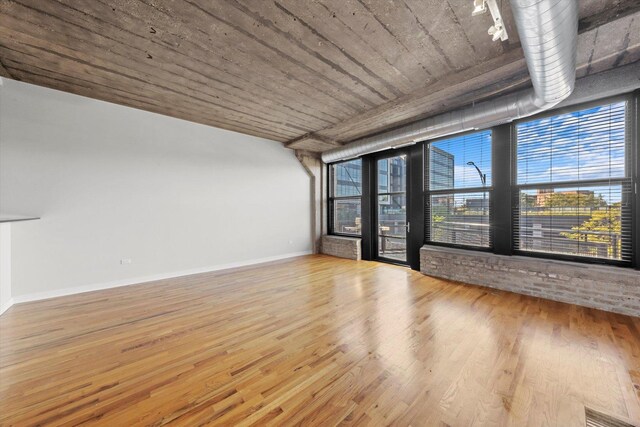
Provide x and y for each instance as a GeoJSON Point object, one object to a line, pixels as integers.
{"type": "Point", "coordinates": [314, 340]}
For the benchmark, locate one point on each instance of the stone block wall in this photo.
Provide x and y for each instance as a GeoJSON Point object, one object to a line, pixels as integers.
{"type": "Point", "coordinates": [342, 247]}
{"type": "Point", "coordinates": [608, 288]}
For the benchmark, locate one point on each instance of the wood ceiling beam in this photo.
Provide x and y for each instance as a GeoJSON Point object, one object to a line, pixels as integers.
{"type": "Point", "coordinates": [447, 93]}
{"type": "Point", "coordinates": [312, 142]}
{"type": "Point", "coordinates": [455, 90]}
{"type": "Point", "coordinates": [4, 72]}
{"type": "Point", "coordinates": [623, 8]}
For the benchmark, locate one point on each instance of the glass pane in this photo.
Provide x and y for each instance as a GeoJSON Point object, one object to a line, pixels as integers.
{"type": "Point", "coordinates": [392, 174]}
{"type": "Point", "coordinates": [572, 221]}
{"type": "Point", "coordinates": [460, 162]}
{"type": "Point", "coordinates": [347, 216]}
{"type": "Point", "coordinates": [461, 219]}
{"type": "Point", "coordinates": [586, 144]}
{"type": "Point", "coordinates": [392, 230]}
{"type": "Point", "coordinates": [347, 178]}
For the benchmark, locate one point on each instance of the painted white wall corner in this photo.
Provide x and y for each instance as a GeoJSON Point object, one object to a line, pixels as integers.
{"type": "Point", "coordinates": [128, 196]}
{"type": "Point", "coordinates": [140, 280]}
{"type": "Point", "coordinates": [5, 267]}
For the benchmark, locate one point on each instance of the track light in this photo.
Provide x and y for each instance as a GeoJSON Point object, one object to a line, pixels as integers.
{"type": "Point", "coordinates": [479, 7]}
{"type": "Point", "coordinates": [497, 30]}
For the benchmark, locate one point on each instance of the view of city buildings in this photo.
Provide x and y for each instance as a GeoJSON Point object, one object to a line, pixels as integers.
{"type": "Point", "coordinates": [575, 221]}
{"type": "Point", "coordinates": [392, 207]}
{"type": "Point", "coordinates": [572, 219]}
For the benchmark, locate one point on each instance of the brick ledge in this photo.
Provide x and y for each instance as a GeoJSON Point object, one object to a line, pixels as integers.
{"type": "Point", "coordinates": [601, 268]}
{"type": "Point", "coordinates": [342, 246]}
{"type": "Point", "coordinates": [604, 287]}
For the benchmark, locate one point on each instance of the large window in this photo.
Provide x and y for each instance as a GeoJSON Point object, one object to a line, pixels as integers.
{"type": "Point", "coordinates": [573, 179]}
{"type": "Point", "coordinates": [560, 185]}
{"type": "Point", "coordinates": [457, 189]}
{"type": "Point", "coordinates": [345, 197]}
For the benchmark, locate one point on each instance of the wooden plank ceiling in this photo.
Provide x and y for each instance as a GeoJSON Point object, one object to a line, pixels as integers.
{"type": "Point", "coordinates": [312, 74]}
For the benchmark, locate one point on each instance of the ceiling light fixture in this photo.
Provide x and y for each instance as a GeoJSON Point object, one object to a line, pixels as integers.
{"type": "Point", "coordinates": [497, 30]}
{"type": "Point", "coordinates": [479, 7]}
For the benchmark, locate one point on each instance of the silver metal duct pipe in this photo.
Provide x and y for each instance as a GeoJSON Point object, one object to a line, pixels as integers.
{"type": "Point", "coordinates": [548, 31]}
{"type": "Point", "coordinates": [617, 81]}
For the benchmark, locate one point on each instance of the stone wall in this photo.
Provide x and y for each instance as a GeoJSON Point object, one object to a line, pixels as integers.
{"type": "Point", "coordinates": [342, 247]}
{"type": "Point", "coordinates": [608, 288]}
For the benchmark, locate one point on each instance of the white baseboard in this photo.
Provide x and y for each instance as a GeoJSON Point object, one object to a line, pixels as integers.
{"type": "Point", "coordinates": [138, 280]}
{"type": "Point", "coordinates": [6, 306]}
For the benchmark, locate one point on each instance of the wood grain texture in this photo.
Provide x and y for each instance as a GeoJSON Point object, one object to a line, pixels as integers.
{"type": "Point", "coordinates": [600, 48]}
{"type": "Point", "coordinates": [280, 69]}
{"type": "Point", "coordinates": [4, 72]}
{"type": "Point", "coordinates": [314, 340]}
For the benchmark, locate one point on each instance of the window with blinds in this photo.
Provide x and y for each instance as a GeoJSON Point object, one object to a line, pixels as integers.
{"type": "Point", "coordinates": [457, 190]}
{"type": "Point", "coordinates": [573, 184]}
{"type": "Point", "coordinates": [345, 197]}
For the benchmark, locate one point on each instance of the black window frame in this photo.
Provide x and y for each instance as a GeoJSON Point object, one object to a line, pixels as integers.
{"type": "Point", "coordinates": [331, 199]}
{"type": "Point", "coordinates": [631, 147]}
{"type": "Point", "coordinates": [427, 193]}
{"type": "Point", "coordinates": [373, 188]}
{"type": "Point", "coordinates": [503, 192]}
{"type": "Point", "coordinates": [635, 152]}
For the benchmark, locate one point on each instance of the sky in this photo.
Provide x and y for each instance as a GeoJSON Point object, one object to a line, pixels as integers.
{"type": "Point", "coordinates": [472, 147]}
{"type": "Point", "coordinates": [586, 144]}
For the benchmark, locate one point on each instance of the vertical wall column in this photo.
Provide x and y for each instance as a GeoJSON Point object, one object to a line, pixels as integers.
{"type": "Point", "coordinates": [315, 168]}
{"type": "Point", "coordinates": [501, 203]}
{"type": "Point", "coordinates": [367, 210]}
{"type": "Point", "coordinates": [416, 205]}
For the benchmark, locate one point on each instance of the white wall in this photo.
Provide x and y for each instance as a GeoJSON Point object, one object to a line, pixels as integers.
{"type": "Point", "coordinates": [112, 182]}
{"type": "Point", "coordinates": [5, 266]}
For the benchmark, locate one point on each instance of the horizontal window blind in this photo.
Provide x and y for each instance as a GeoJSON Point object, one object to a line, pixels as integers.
{"type": "Point", "coordinates": [460, 162]}
{"type": "Point", "coordinates": [345, 197]}
{"type": "Point", "coordinates": [582, 221]}
{"type": "Point", "coordinates": [584, 145]}
{"type": "Point", "coordinates": [458, 187]}
{"type": "Point", "coordinates": [460, 219]}
{"type": "Point", "coordinates": [573, 193]}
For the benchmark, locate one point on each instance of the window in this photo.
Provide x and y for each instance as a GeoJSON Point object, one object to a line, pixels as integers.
{"type": "Point", "coordinates": [559, 185]}
{"type": "Point", "coordinates": [573, 182]}
{"type": "Point", "coordinates": [345, 197]}
{"type": "Point", "coordinates": [458, 185]}
{"type": "Point", "coordinates": [392, 207]}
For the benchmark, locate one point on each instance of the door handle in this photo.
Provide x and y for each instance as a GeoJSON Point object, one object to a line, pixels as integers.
{"type": "Point", "coordinates": [408, 226]}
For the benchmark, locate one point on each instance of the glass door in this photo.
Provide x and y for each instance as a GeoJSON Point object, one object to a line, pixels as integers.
{"type": "Point", "coordinates": [391, 208]}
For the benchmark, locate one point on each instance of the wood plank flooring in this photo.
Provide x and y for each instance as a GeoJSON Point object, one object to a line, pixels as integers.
{"type": "Point", "coordinates": [314, 340]}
